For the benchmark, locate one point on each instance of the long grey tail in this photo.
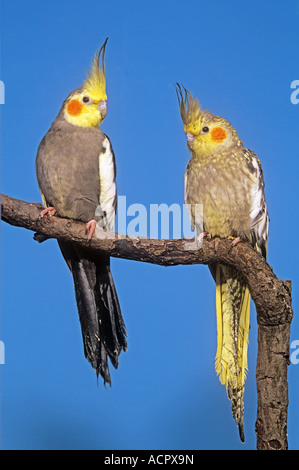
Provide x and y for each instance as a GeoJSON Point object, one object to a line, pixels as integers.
{"type": "Point", "coordinates": [102, 324]}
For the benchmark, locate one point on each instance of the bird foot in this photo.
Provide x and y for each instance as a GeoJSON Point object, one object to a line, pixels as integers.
{"type": "Point", "coordinates": [49, 211]}
{"type": "Point", "coordinates": [200, 237]}
{"type": "Point", "coordinates": [203, 235]}
{"type": "Point", "coordinates": [236, 240]}
{"type": "Point", "coordinates": [90, 227]}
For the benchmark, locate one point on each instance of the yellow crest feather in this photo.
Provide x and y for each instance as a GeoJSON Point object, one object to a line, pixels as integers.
{"type": "Point", "coordinates": [95, 83]}
{"type": "Point", "coordinates": [190, 110]}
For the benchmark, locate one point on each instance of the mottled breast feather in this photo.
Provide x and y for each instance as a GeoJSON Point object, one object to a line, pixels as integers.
{"type": "Point", "coordinates": [231, 188]}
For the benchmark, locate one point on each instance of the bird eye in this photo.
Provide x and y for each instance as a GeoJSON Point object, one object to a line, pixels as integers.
{"type": "Point", "coordinates": [86, 99]}
{"type": "Point", "coordinates": [205, 130]}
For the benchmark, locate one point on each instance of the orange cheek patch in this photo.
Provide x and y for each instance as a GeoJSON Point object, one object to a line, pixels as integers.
{"type": "Point", "coordinates": [74, 107]}
{"type": "Point", "coordinates": [218, 134]}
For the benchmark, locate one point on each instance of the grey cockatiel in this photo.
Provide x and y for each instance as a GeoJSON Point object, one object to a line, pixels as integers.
{"type": "Point", "coordinates": [76, 171]}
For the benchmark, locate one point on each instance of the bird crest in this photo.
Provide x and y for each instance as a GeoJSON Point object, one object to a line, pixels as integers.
{"type": "Point", "coordinates": [95, 83]}
{"type": "Point", "coordinates": [190, 110]}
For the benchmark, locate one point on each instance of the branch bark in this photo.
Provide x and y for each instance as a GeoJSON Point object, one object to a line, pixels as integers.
{"type": "Point", "coordinates": [272, 297]}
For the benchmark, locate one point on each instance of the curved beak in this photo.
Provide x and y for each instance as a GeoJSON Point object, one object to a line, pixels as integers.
{"type": "Point", "coordinates": [102, 107]}
{"type": "Point", "coordinates": [190, 139]}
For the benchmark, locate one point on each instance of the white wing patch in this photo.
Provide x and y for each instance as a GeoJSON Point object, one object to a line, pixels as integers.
{"type": "Point", "coordinates": [108, 185]}
{"type": "Point", "coordinates": [259, 214]}
{"type": "Point", "coordinates": [257, 200]}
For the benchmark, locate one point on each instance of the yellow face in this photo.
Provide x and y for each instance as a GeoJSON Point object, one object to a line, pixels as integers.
{"type": "Point", "coordinates": [206, 137]}
{"type": "Point", "coordinates": [82, 110]}
{"type": "Point", "coordinates": [87, 106]}
{"type": "Point", "coordinates": [206, 133]}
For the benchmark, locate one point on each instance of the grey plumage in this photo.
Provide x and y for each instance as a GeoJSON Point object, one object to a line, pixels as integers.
{"type": "Point", "coordinates": [68, 173]}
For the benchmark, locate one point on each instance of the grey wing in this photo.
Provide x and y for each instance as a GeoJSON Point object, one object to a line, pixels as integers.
{"type": "Point", "coordinates": [107, 201]}
{"type": "Point", "coordinates": [259, 217]}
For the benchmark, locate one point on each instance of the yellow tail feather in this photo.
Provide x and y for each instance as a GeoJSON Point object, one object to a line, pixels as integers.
{"type": "Point", "coordinates": [233, 314]}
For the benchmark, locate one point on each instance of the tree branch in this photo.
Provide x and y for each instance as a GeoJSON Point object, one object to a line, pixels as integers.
{"type": "Point", "coordinates": [272, 297]}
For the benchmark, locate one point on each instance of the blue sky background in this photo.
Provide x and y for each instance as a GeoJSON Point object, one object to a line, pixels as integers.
{"type": "Point", "coordinates": [239, 58]}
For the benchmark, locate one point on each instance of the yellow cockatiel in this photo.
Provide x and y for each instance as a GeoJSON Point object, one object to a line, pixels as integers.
{"type": "Point", "coordinates": [227, 179]}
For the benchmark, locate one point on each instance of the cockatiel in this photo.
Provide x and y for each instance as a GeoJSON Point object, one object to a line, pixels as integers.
{"type": "Point", "coordinates": [76, 172]}
{"type": "Point", "coordinates": [227, 179]}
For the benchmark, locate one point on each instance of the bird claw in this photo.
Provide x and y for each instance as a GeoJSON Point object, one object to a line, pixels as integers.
{"type": "Point", "coordinates": [48, 211]}
{"type": "Point", "coordinates": [90, 227]}
{"type": "Point", "coordinates": [235, 241]}
{"type": "Point", "coordinates": [203, 235]}
{"type": "Point", "coordinates": [200, 237]}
